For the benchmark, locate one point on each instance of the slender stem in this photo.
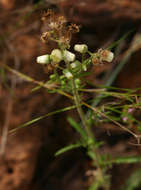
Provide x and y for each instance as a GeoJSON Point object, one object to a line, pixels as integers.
{"type": "Point", "coordinates": [91, 147]}
{"type": "Point", "coordinates": [80, 111]}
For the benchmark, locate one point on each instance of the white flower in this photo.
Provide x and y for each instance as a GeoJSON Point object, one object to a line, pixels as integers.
{"type": "Point", "coordinates": [82, 48]}
{"type": "Point", "coordinates": [68, 56]}
{"type": "Point", "coordinates": [56, 55]}
{"type": "Point", "coordinates": [43, 59]}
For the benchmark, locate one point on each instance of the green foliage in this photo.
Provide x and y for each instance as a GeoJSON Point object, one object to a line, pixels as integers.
{"type": "Point", "coordinates": [41, 117]}
{"type": "Point", "coordinates": [126, 160]}
{"type": "Point", "coordinates": [77, 127]}
{"type": "Point", "coordinates": [67, 148]}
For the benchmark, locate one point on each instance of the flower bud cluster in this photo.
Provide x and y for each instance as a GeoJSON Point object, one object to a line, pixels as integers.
{"type": "Point", "coordinates": [56, 56]}
{"type": "Point", "coordinates": [73, 68]}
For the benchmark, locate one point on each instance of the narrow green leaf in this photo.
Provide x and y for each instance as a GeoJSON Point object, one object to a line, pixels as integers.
{"type": "Point", "coordinates": [77, 127]}
{"type": "Point", "coordinates": [114, 44]}
{"type": "Point", "coordinates": [124, 160]}
{"type": "Point", "coordinates": [84, 74]}
{"type": "Point", "coordinates": [67, 148]}
{"type": "Point", "coordinates": [41, 117]}
{"type": "Point", "coordinates": [127, 160]}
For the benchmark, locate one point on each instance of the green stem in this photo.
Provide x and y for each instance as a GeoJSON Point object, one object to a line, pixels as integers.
{"type": "Point", "coordinates": [79, 109]}
{"type": "Point", "coordinates": [91, 146]}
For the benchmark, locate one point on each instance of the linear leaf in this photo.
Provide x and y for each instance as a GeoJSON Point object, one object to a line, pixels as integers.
{"type": "Point", "coordinates": [41, 117]}
{"type": "Point", "coordinates": [67, 148]}
{"type": "Point", "coordinates": [77, 127]}
{"type": "Point", "coordinates": [125, 160]}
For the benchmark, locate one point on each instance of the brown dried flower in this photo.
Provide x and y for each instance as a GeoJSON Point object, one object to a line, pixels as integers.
{"type": "Point", "coordinates": [49, 68]}
{"type": "Point", "coordinates": [47, 15]}
{"type": "Point", "coordinates": [57, 29]}
{"type": "Point", "coordinates": [95, 61]}
{"type": "Point", "coordinates": [73, 28]}
{"type": "Point", "coordinates": [45, 37]}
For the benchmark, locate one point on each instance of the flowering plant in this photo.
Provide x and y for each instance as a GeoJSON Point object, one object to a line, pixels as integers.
{"type": "Point", "coordinates": [66, 73]}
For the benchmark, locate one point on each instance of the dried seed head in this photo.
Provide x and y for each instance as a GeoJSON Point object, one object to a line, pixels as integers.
{"type": "Point", "coordinates": [45, 37]}
{"type": "Point", "coordinates": [47, 15]}
{"type": "Point", "coordinates": [50, 67]}
{"type": "Point", "coordinates": [61, 20]}
{"type": "Point", "coordinates": [64, 39]}
{"type": "Point", "coordinates": [73, 28]}
{"type": "Point", "coordinates": [95, 61]}
{"type": "Point", "coordinates": [57, 29]}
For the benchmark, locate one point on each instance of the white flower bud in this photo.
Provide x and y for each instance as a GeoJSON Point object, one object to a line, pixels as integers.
{"type": "Point", "coordinates": [68, 56]}
{"type": "Point", "coordinates": [43, 59]}
{"type": "Point", "coordinates": [56, 55]}
{"type": "Point", "coordinates": [69, 75]}
{"type": "Point", "coordinates": [107, 55]}
{"type": "Point", "coordinates": [82, 48]}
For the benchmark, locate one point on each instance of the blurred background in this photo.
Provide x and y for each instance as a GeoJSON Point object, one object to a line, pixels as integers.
{"type": "Point", "coordinates": [27, 160]}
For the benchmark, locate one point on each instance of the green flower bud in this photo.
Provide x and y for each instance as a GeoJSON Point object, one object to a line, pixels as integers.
{"type": "Point", "coordinates": [53, 76]}
{"type": "Point", "coordinates": [63, 82]}
{"type": "Point", "coordinates": [62, 77]}
{"type": "Point", "coordinates": [84, 67]}
{"type": "Point", "coordinates": [77, 81]}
